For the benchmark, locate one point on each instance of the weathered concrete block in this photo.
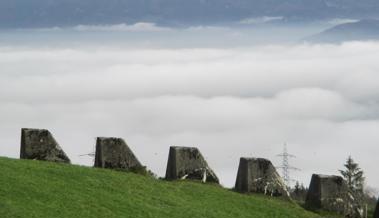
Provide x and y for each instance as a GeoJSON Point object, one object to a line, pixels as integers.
{"type": "Point", "coordinates": [258, 175]}
{"type": "Point", "coordinates": [39, 144]}
{"type": "Point", "coordinates": [326, 192]}
{"type": "Point", "coordinates": [114, 153]}
{"type": "Point", "coordinates": [188, 163]}
{"type": "Point", "coordinates": [376, 214]}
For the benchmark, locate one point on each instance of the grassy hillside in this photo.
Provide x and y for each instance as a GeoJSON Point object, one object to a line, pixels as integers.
{"type": "Point", "coordinates": [42, 189]}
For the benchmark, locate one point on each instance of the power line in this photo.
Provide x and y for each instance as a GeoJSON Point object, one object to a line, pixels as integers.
{"type": "Point", "coordinates": [92, 154]}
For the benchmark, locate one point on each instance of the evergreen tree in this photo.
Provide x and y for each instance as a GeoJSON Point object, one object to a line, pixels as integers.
{"type": "Point", "coordinates": [297, 188]}
{"type": "Point", "coordinates": [353, 176]}
{"type": "Point", "coordinates": [299, 192]}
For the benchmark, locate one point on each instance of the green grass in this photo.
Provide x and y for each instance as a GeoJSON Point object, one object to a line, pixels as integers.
{"type": "Point", "coordinates": [326, 214]}
{"type": "Point", "coordinates": [42, 189]}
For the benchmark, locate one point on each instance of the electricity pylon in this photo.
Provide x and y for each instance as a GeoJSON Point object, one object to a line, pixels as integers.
{"type": "Point", "coordinates": [286, 167]}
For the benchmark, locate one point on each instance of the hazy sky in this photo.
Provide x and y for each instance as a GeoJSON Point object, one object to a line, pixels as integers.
{"type": "Point", "coordinates": [322, 100]}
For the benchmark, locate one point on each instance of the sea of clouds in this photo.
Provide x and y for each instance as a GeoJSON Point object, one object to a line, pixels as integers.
{"type": "Point", "coordinates": [322, 100]}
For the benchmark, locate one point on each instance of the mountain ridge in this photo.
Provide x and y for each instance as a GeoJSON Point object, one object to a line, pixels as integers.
{"type": "Point", "coordinates": [49, 13]}
{"type": "Point", "coordinates": [367, 29]}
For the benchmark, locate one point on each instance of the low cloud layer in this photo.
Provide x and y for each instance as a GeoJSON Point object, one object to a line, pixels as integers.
{"type": "Point", "coordinates": [319, 99]}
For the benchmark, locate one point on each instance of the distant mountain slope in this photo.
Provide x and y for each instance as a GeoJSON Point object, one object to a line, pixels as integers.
{"type": "Point", "coordinates": [45, 190]}
{"type": "Point", "coordinates": [361, 30]}
{"type": "Point", "coordinates": [48, 13]}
